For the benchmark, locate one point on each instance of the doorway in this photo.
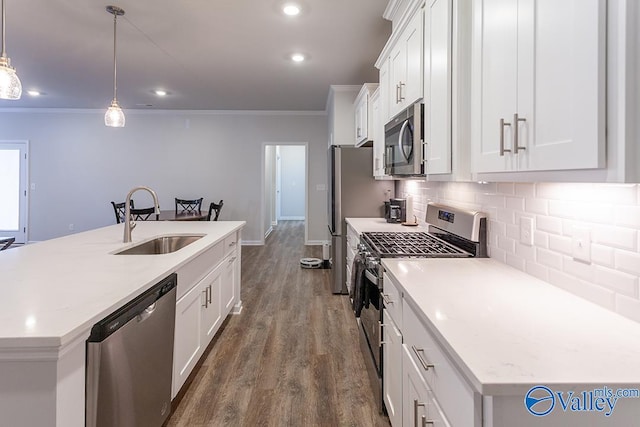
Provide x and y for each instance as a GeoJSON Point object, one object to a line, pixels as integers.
{"type": "Point", "coordinates": [285, 180]}
{"type": "Point", "coordinates": [13, 190]}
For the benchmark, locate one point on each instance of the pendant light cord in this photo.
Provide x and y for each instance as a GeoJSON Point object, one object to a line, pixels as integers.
{"type": "Point", "coordinates": [115, 84]}
{"type": "Point", "coordinates": [4, 55]}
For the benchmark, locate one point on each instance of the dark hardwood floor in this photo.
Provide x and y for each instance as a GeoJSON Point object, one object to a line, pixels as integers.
{"type": "Point", "coordinates": [291, 358]}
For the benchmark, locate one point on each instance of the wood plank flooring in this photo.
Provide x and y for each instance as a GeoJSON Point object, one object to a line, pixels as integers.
{"type": "Point", "coordinates": [291, 358]}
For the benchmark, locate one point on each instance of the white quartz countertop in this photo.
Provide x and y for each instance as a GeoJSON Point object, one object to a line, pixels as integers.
{"type": "Point", "coordinates": [361, 225]}
{"type": "Point", "coordinates": [54, 291]}
{"type": "Point", "coordinates": [508, 331]}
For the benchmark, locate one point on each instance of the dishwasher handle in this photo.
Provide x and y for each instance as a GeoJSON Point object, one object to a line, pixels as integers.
{"type": "Point", "coordinates": [139, 308]}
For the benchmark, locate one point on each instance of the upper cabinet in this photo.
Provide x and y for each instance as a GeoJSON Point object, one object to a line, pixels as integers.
{"type": "Point", "coordinates": [438, 36]}
{"type": "Point", "coordinates": [405, 65]}
{"type": "Point", "coordinates": [340, 112]}
{"type": "Point", "coordinates": [364, 115]}
{"type": "Point", "coordinates": [538, 85]}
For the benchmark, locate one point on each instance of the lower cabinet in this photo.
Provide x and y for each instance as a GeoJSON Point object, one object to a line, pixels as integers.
{"type": "Point", "coordinates": [203, 307]}
{"type": "Point", "coordinates": [198, 315]}
{"type": "Point", "coordinates": [392, 369]}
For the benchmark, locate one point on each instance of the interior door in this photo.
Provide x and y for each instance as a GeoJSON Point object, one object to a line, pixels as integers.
{"type": "Point", "coordinates": [13, 190]}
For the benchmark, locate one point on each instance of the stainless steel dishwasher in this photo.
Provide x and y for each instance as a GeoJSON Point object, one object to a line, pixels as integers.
{"type": "Point", "coordinates": [129, 361]}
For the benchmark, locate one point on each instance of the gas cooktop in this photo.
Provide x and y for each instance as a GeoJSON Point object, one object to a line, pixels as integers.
{"type": "Point", "coordinates": [410, 244]}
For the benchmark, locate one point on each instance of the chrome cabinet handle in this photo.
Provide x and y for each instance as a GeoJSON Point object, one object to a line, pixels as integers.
{"type": "Point", "coordinates": [397, 94]}
{"type": "Point", "coordinates": [380, 325]}
{"type": "Point", "coordinates": [385, 298]}
{"type": "Point", "coordinates": [415, 411]}
{"type": "Point", "coordinates": [206, 298]}
{"type": "Point", "coordinates": [426, 365]}
{"type": "Point", "coordinates": [425, 421]}
{"type": "Point", "coordinates": [232, 259]}
{"type": "Point", "coordinates": [400, 86]}
{"type": "Point", "coordinates": [516, 120]}
{"type": "Point", "coordinates": [209, 294]}
{"type": "Point", "coordinates": [502, 125]}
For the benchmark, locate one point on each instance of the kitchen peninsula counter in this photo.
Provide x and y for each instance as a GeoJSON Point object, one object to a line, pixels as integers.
{"type": "Point", "coordinates": [54, 291]}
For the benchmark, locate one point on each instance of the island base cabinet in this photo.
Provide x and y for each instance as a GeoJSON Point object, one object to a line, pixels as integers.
{"type": "Point", "coordinates": [198, 317]}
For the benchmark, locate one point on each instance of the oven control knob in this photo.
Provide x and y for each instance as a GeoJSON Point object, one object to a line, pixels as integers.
{"type": "Point", "coordinates": [371, 262]}
{"type": "Point", "coordinates": [362, 247]}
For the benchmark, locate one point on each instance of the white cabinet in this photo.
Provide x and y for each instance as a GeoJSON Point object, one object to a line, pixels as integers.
{"type": "Point", "coordinates": [437, 85]}
{"type": "Point", "coordinates": [378, 122]}
{"type": "Point", "coordinates": [210, 287]}
{"type": "Point", "coordinates": [340, 113]}
{"type": "Point", "coordinates": [392, 369]}
{"type": "Point", "coordinates": [538, 85]}
{"type": "Point", "coordinates": [197, 317]}
{"type": "Point", "coordinates": [406, 65]}
{"type": "Point", "coordinates": [364, 114]}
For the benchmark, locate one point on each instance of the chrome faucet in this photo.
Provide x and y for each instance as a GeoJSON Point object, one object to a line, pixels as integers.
{"type": "Point", "coordinates": [128, 224]}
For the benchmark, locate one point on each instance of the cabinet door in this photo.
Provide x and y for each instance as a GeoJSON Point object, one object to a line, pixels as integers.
{"type": "Point", "coordinates": [397, 78]}
{"type": "Point", "coordinates": [414, 392]}
{"type": "Point", "coordinates": [188, 335]}
{"type": "Point", "coordinates": [561, 68]}
{"type": "Point", "coordinates": [496, 52]}
{"type": "Point", "coordinates": [437, 85]}
{"type": "Point", "coordinates": [212, 308]}
{"type": "Point", "coordinates": [392, 370]}
{"type": "Point", "coordinates": [413, 41]}
{"type": "Point", "coordinates": [539, 70]}
{"type": "Point", "coordinates": [228, 284]}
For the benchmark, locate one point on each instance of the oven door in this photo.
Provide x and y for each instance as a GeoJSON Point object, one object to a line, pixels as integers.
{"type": "Point", "coordinates": [371, 318]}
{"type": "Point", "coordinates": [403, 143]}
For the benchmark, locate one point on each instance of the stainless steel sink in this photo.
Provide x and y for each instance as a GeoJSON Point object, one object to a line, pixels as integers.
{"type": "Point", "coordinates": [161, 245]}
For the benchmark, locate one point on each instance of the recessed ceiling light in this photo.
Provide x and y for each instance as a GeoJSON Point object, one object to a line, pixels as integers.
{"type": "Point", "coordinates": [33, 93]}
{"type": "Point", "coordinates": [160, 92]}
{"type": "Point", "coordinates": [291, 9]}
{"type": "Point", "coordinates": [297, 57]}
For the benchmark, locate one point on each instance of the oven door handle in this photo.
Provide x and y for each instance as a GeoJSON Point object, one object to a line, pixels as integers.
{"type": "Point", "coordinates": [372, 277]}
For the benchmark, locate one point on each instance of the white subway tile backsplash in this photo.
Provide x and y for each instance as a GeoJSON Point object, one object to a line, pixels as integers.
{"type": "Point", "coordinates": [537, 206]}
{"type": "Point", "coordinates": [594, 293]}
{"type": "Point", "coordinates": [602, 255]}
{"type": "Point", "coordinates": [525, 189]}
{"type": "Point", "coordinates": [618, 237]}
{"type": "Point", "coordinates": [610, 211]}
{"type": "Point", "coordinates": [628, 307]}
{"type": "Point", "coordinates": [623, 283]}
{"type": "Point", "coordinates": [549, 224]}
{"type": "Point", "coordinates": [628, 261]}
{"type": "Point", "coordinates": [549, 258]}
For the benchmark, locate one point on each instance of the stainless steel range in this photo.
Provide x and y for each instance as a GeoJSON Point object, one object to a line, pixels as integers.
{"type": "Point", "coordinates": [452, 232]}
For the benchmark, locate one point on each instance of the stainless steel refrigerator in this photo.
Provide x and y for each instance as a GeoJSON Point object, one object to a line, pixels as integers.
{"type": "Point", "coordinates": [353, 193]}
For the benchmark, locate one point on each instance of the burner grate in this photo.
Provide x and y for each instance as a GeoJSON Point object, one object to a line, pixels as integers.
{"type": "Point", "coordinates": [411, 244]}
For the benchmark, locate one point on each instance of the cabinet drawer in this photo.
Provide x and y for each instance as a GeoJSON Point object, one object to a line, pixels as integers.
{"type": "Point", "coordinates": [458, 402]}
{"type": "Point", "coordinates": [392, 299]}
{"type": "Point", "coordinates": [230, 243]}
{"type": "Point", "coordinates": [194, 271]}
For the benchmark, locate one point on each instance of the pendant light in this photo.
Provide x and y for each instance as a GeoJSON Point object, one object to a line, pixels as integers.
{"type": "Point", "coordinates": [10, 86]}
{"type": "Point", "coordinates": [114, 117]}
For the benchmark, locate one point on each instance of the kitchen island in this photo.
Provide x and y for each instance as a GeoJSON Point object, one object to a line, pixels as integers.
{"type": "Point", "coordinates": [488, 334]}
{"type": "Point", "coordinates": [54, 291]}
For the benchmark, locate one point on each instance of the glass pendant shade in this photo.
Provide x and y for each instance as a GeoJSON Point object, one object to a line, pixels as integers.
{"type": "Point", "coordinates": [114, 117]}
{"type": "Point", "coordinates": [10, 86]}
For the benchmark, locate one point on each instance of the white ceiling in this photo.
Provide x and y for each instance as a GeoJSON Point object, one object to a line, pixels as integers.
{"type": "Point", "coordinates": [208, 54]}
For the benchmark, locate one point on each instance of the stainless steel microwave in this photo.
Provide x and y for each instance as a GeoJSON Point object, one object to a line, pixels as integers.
{"type": "Point", "coordinates": [403, 143]}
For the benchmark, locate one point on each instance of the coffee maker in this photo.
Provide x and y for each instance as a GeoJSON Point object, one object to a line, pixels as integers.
{"type": "Point", "coordinates": [395, 210]}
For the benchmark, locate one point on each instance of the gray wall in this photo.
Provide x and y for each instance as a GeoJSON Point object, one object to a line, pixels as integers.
{"type": "Point", "coordinates": [78, 165]}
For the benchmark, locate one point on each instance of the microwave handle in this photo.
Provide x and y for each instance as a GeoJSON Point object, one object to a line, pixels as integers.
{"type": "Point", "coordinates": [400, 148]}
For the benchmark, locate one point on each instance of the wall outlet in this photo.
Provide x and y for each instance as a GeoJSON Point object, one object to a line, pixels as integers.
{"type": "Point", "coordinates": [581, 244]}
{"type": "Point", "coordinates": [526, 230]}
